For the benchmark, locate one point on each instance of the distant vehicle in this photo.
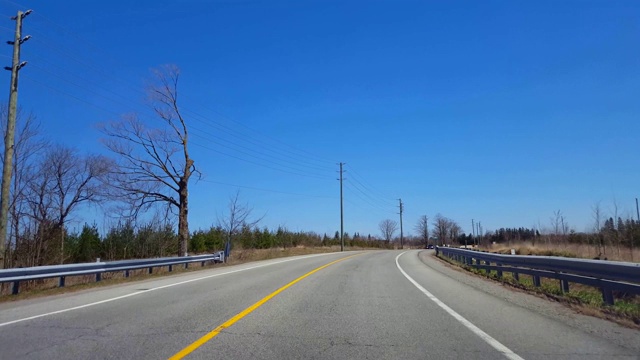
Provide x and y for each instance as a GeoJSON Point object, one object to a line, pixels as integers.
{"type": "Point", "coordinates": [430, 246]}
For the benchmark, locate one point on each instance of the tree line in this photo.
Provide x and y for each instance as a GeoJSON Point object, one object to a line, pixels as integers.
{"type": "Point", "coordinates": [127, 240]}
{"type": "Point", "coordinates": [608, 234]}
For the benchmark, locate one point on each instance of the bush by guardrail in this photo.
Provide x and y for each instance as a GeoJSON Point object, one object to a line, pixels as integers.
{"type": "Point", "coordinates": [18, 275]}
{"type": "Point", "coordinates": [608, 276]}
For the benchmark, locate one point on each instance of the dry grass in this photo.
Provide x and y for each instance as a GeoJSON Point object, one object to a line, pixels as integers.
{"type": "Point", "coordinates": [585, 251]}
{"type": "Point", "coordinates": [36, 288]}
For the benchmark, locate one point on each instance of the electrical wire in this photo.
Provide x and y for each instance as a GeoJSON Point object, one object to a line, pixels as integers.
{"type": "Point", "coordinates": [267, 190]}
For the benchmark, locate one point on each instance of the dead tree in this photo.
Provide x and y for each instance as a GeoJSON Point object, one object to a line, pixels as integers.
{"type": "Point", "coordinates": [237, 219]}
{"type": "Point", "coordinates": [388, 227]}
{"type": "Point", "coordinates": [422, 228]}
{"type": "Point", "coordinates": [153, 164]}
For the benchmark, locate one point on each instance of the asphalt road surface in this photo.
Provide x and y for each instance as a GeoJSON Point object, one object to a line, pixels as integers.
{"type": "Point", "coordinates": [374, 305]}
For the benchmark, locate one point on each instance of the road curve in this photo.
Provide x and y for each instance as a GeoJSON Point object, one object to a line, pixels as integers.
{"type": "Point", "coordinates": [374, 305]}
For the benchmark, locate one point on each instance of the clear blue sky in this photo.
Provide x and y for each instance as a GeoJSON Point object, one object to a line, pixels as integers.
{"type": "Point", "coordinates": [502, 111]}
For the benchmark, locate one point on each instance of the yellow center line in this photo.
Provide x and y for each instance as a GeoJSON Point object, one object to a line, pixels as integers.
{"type": "Point", "coordinates": [189, 349]}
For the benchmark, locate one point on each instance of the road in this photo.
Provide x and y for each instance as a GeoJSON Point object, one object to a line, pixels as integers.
{"type": "Point", "coordinates": [352, 305]}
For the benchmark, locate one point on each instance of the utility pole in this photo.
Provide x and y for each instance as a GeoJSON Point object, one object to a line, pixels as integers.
{"type": "Point", "coordinates": [473, 232]}
{"type": "Point", "coordinates": [9, 137]}
{"type": "Point", "coordinates": [401, 232]}
{"type": "Point", "coordinates": [341, 212]}
{"type": "Point", "coordinates": [427, 228]}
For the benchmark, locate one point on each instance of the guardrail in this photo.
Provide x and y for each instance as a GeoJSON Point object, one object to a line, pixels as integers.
{"type": "Point", "coordinates": [17, 275]}
{"type": "Point", "coordinates": [608, 276]}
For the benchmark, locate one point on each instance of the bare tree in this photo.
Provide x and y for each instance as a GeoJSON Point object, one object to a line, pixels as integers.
{"type": "Point", "coordinates": [154, 165]}
{"type": "Point", "coordinates": [616, 234]}
{"type": "Point", "coordinates": [388, 227]}
{"type": "Point", "coordinates": [454, 230]}
{"type": "Point", "coordinates": [441, 228]}
{"type": "Point", "coordinates": [28, 145]}
{"type": "Point", "coordinates": [237, 218]}
{"type": "Point", "coordinates": [596, 214]}
{"type": "Point", "coordinates": [556, 222]}
{"type": "Point", "coordinates": [422, 228]}
{"type": "Point", "coordinates": [75, 180]}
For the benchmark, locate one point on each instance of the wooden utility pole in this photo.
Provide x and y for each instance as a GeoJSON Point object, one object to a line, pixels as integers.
{"type": "Point", "coordinates": [341, 212]}
{"type": "Point", "coordinates": [473, 232]}
{"type": "Point", "coordinates": [401, 232]}
{"type": "Point", "coordinates": [9, 137]}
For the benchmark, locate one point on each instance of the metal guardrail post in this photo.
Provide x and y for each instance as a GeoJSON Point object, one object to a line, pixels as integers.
{"type": "Point", "coordinates": [126, 273]}
{"type": "Point", "coordinates": [61, 282]}
{"type": "Point", "coordinates": [499, 271]}
{"type": "Point", "coordinates": [98, 277]}
{"type": "Point", "coordinates": [516, 276]}
{"type": "Point", "coordinates": [607, 296]}
{"type": "Point", "coordinates": [170, 268]}
{"type": "Point", "coordinates": [564, 285]}
{"type": "Point", "coordinates": [150, 269]}
{"type": "Point", "coordinates": [186, 265]}
{"type": "Point", "coordinates": [15, 288]}
{"type": "Point", "coordinates": [536, 281]}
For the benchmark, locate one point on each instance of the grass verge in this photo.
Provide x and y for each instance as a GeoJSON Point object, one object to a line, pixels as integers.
{"type": "Point", "coordinates": [47, 287]}
{"type": "Point", "coordinates": [584, 299]}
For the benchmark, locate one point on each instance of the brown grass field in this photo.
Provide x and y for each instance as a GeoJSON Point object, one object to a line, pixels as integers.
{"type": "Point", "coordinates": [586, 251]}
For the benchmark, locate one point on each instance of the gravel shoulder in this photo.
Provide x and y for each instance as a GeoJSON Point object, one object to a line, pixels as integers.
{"type": "Point", "coordinates": [547, 307]}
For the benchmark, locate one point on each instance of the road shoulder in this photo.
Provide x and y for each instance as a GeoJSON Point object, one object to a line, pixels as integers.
{"type": "Point", "coordinates": [610, 331]}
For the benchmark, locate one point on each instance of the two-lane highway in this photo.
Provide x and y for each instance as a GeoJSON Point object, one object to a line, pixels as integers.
{"type": "Point", "coordinates": [377, 304]}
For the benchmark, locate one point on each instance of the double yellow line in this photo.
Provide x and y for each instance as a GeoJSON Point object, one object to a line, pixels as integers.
{"type": "Point", "coordinates": [213, 333]}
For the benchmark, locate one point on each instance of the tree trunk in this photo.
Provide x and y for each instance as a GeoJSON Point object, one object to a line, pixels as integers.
{"type": "Point", "coordinates": [183, 223]}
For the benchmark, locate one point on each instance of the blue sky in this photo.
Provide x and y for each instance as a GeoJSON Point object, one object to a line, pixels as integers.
{"type": "Point", "coordinates": [500, 111]}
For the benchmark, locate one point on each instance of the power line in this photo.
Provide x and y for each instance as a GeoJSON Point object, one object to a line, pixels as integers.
{"type": "Point", "coordinates": [296, 172]}
{"type": "Point", "coordinates": [368, 210]}
{"type": "Point", "coordinates": [61, 50]}
{"type": "Point", "coordinates": [229, 143]}
{"type": "Point", "coordinates": [266, 190]}
{"type": "Point", "coordinates": [280, 154]}
{"type": "Point", "coordinates": [256, 163]}
{"type": "Point", "coordinates": [374, 191]}
{"type": "Point", "coordinates": [385, 210]}
{"type": "Point", "coordinates": [376, 200]}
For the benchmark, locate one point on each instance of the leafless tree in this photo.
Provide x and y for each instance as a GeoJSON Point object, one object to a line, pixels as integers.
{"type": "Point", "coordinates": [596, 214]}
{"type": "Point", "coordinates": [154, 165]}
{"type": "Point", "coordinates": [76, 180]}
{"type": "Point", "coordinates": [454, 230]}
{"type": "Point", "coordinates": [441, 227]}
{"type": "Point", "coordinates": [422, 228]}
{"type": "Point", "coordinates": [27, 147]}
{"type": "Point", "coordinates": [388, 227]}
{"type": "Point", "coordinates": [617, 235]}
{"type": "Point", "coordinates": [237, 218]}
{"type": "Point", "coordinates": [556, 222]}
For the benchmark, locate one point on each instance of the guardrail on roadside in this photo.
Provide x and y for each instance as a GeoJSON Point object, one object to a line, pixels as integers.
{"type": "Point", "coordinates": [17, 275]}
{"type": "Point", "coordinates": [608, 276]}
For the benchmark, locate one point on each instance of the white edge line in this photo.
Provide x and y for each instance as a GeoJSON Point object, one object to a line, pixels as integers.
{"type": "Point", "coordinates": [476, 330]}
{"type": "Point", "coordinates": [156, 288]}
